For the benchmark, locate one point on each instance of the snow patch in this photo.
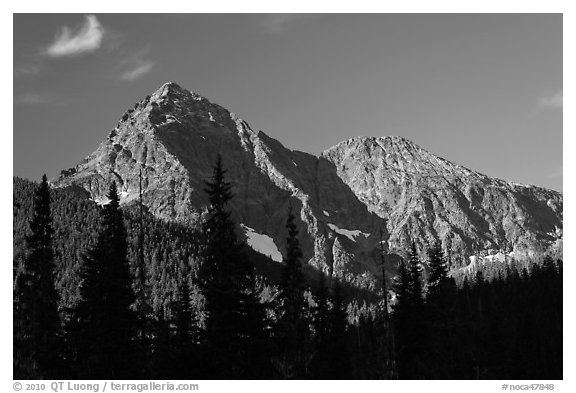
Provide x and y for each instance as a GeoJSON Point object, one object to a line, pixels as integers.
{"type": "Point", "coordinates": [210, 116]}
{"type": "Point", "coordinates": [262, 243]}
{"type": "Point", "coordinates": [500, 257]}
{"type": "Point", "coordinates": [124, 194]}
{"type": "Point", "coordinates": [171, 119]}
{"type": "Point", "coordinates": [326, 213]}
{"type": "Point", "coordinates": [101, 201]}
{"type": "Point", "coordinates": [350, 234]}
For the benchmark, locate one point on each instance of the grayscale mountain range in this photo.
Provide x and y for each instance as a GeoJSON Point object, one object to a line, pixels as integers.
{"type": "Point", "coordinates": [349, 198]}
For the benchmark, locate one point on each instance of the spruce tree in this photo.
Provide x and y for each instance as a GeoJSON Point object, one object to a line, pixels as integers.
{"type": "Point", "coordinates": [408, 317]}
{"type": "Point", "coordinates": [234, 315]}
{"type": "Point", "coordinates": [401, 317]}
{"type": "Point", "coordinates": [142, 305]}
{"type": "Point", "coordinates": [415, 283]}
{"type": "Point", "coordinates": [402, 290]}
{"type": "Point", "coordinates": [321, 340]}
{"type": "Point", "coordinates": [440, 315]}
{"type": "Point", "coordinates": [438, 272]}
{"type": "Point", "coordinates": [36, 319]}
{"type": "Point", "coordinates": [321, 322]}
{"type": "Point", "coordinates": [183, 350]}
{"type": "Point", "coordinates": [292, 323]}
{"type": "Point", "coordinates": [383, 343]}
{"type": "Point", "coordinates": [102, 325]}
{"type": "Point", "coordinates": [183, 317]}
{"type": "Point", "coordinates": [162, 359]}
{"type": "Point", "coordinates": [338, 350]}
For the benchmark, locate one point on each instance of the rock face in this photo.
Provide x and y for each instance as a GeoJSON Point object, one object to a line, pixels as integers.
{"type": "Point", "coordinates": [343, 198]}
{"type": "Point", "coordinates": [422, 196]}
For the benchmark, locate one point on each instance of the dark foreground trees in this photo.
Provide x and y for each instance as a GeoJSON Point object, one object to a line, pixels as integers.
{"type": "Point", "coordinates": [102, 326]}
{"type": "Point", "coordinates": [37, 342]}
{"type": "Point", "coordinates": [292, 326]}
{"type": "Point", "coordinates": [217, 323]}
{"type": "Point", "coordinates": [234, 326]}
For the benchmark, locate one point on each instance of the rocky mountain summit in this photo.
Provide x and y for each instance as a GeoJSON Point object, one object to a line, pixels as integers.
{"type": "Point", "coordinates": [344, 199]}
{"type": "Point", "coordinates": [423, 196]}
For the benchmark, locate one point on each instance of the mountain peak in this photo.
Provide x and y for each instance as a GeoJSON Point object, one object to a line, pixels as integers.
{"type": "Point", "coordinates": [396, 153]}
{"type": "Point", "coordinates": [356, 187]}
{"type": "Point", "coordinates": [370, 144]}
{"type": "Point", "coordinates": [171, 87]}
{"type": "Point", "coordinates": [171, 91]}
{"type": "Point", "coordinates": [376, 141]}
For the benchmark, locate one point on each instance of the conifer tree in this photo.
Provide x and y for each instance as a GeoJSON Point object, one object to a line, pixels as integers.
{"type": "Point", "coordinates": [292, 323]}
{"type": "Point", "coordinates": [438, 272]}
{"type": "Point", "coordinates": [142, 305]}
{"type": "Point", "coordinates": [234, 315]}
{"type": "Point", "coordinates": [549, 267]}
{"type": "Point", "coordinates": [102, 325]}
{"type": "Point", "coordinates": [415, 283]}
{"type": "Point", "coordinates": [408, 317]}
{"type": "Point", "coordinates": [384, 285]}
{"type": "Point", "coordinates": [321, 341]}
{"type": "Point", "coordinates": [383, 340]}
{"type": "Point", "coordinates": [36, 319]}
{"type": "Point", "coordinates": [402, 289]}
{"type": "Point", "coordinates": [338, 353]}
{"type": "Point", "coordinates": [183, 317]}
{"type": "Point", "coordinates": [162, 351]}
{"type": "Point", "coordinates": [321, 322]}
{"type": "Point", "coordinates": [440, 315]}
{"type": "Point", "coordinates": [182, 345]}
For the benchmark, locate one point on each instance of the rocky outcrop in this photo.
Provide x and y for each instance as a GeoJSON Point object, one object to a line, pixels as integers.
{"type": "Point", "coordinates": [344, 198]}
{"type": "Point", "coordinates": [425, 197]}
{"type": "Point", "coordinates": [174, 137]}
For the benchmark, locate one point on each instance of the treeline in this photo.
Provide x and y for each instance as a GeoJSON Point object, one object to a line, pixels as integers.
{"type": "Point", "coordinates": [170, 249]}
{"type": "Point", "coordinates": [138, 306]}
{"type": "Point", "coordinates": [506, 328]}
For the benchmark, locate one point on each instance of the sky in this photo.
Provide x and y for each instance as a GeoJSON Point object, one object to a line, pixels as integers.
{"type": "Point", "coordinates": [481, 90]}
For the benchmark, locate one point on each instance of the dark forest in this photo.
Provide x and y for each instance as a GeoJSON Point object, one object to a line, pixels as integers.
{"type": "Point", "coordinates": [110, 292]}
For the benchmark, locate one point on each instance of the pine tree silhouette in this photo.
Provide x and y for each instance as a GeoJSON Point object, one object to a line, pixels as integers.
{"type": "Point", "coordinates": [409, 317]}
{"type": "Point", "coordinates": [402, 291]}
{"type": "Point", "coordinates": [338, 352]}
{"type": "Point", "coordinates": [440, 317]}
{"type": "Point", "coordinates": [183, 318]}
{"type": "Point", "coordinates": [183, 344]}
{"type": "Point", "coordinates": [320, 364]}
{"type": "Point", "coordinates": [234, 316]}
{"type": "Point", "coordinates": [37, 337]}
{"type": "Point", "coordinates": [142, 305]}
{"type": "Point", "coordinates": [438, 272]}
{"type": "Point", "coordinates": [415, 282]}
{"type": "Point", "coordinates": [293, 326]}
{"type": "Point", "coordinates": [162, 359]}
{"type": "Point", "coordinates": [102, 326]}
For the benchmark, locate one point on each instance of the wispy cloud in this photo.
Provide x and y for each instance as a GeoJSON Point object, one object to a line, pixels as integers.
{"type": "Point", "coordinates": [135, 65]}
{"type": "Point", "coordinates": [280, 23]}
{"type": "Point", "coordinates": [553, 101]}
{"type": "Point", "coordinates": [39, 99]}
{"type": "Point", "coordinates": [84, 39]}
{"type": "Point", "coordinates": [138, 71]}
{"type": "Point", "coordinates": [27, 70]}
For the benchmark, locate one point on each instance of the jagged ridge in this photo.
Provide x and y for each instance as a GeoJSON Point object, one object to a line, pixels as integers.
{"type": "Point", "coordinates": [344, 196]}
